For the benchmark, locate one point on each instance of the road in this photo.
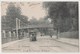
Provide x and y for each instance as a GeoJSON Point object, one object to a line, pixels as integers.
{"type": "Point", "coordinates": [43, 44]}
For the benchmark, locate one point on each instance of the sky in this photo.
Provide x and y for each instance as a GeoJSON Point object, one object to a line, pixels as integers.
{"type": "Point", "coordinates": [30, 9]}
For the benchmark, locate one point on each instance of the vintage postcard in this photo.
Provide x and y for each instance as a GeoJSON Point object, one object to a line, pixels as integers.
{"type": "Point", "coordinates": [40, 26]}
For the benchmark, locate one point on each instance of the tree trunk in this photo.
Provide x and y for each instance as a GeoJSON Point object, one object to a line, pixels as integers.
{"type": "Point", "coordinates": [57, 33]}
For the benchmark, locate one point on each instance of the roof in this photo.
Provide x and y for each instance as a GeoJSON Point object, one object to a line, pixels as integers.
{"type": "Point", "coordinates": [37, 26]}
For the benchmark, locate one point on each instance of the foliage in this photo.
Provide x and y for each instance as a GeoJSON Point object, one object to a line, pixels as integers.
{"type": "Point", "coordinates": [34, 21]}
{"type": "Point", "coordinates": [62, 17]}
{"type": "Point", "coordinates": [13, 12]}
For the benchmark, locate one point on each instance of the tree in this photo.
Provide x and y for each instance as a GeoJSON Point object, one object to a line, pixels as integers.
{"type": "Point", "coordinates": [13, 12]}
{"type": "Point", "coordinates": [73, 9]}
{"type": "Point", "coordinates": [11, 15]}
{"type": "Point", "coordinates": [33, 21]}
{"type": "Point", "coordinates": [60, 14]}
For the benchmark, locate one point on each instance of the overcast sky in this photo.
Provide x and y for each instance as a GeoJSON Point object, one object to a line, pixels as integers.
{"type": "Point", "coordinates": [30, 9]}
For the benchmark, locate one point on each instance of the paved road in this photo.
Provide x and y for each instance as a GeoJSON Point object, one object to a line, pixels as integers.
{"type": "Point", "coordinates": [43, 44]}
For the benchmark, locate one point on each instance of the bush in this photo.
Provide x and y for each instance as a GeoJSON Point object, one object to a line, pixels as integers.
{"type": "Point", "coordinates": [73, 34]}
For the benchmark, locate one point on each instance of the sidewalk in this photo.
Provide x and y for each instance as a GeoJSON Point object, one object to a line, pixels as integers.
{"type": "Point", "coordinates": [68, 41]}
{"type": "Point", "coordinates": [9, 43]}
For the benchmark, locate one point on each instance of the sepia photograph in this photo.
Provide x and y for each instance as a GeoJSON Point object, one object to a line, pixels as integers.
{"type": "Point", "coordinates": [40, 26]}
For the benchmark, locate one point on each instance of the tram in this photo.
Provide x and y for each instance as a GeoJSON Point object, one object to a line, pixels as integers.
{"type": "Point", "coordinates": [32, 35]}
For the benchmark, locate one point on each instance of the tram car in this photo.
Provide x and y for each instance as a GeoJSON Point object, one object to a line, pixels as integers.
{"type": "Point", "coordinates": [32, 35]}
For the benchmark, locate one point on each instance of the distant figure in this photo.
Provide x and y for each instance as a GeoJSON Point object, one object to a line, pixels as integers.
{"type": "Point", "coordinates": [51, 35]}
{"type": "Point", "coordinates": [41, 34]}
